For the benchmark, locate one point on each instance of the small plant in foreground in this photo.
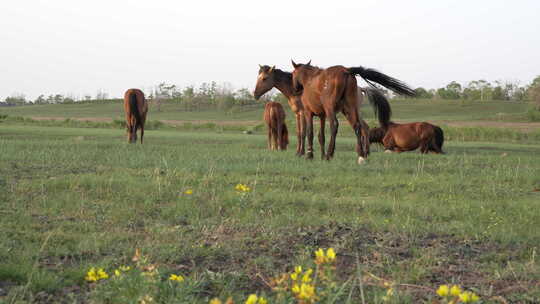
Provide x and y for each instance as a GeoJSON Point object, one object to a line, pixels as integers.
{"type": "Point", "coordinates": [455, 295]}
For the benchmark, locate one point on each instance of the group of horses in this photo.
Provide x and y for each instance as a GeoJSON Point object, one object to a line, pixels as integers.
{"type": "Point", "coordinates": [313, 91]}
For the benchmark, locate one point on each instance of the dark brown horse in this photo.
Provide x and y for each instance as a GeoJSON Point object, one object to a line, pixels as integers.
{"type": "Point", "coordinates": [409, 137]}
{"type": "Point", "coordinates": [270, 77]}
{"type": "Point", "coordinates": [325, 92]}
{"type": "Point", "coordinates": [274, 116]}
{"type": "Point", "coordinates": [136, 107]}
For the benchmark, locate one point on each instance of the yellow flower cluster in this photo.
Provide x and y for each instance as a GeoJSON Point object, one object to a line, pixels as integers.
{"type": "Point", "coordinates": [458, 295]}
{"type": "Point", "coordinates": [304, 292]}
{"type": "Point", "coordinates": [118, 271]}
{"type": "Point", "coordinates": [325, 258]}
{"type": "Point", "coordinates": [297, 274]}
{"type": "Point", "coordinates": [218, 301]}
{"type": "Point", "coordinates": [94, 275]}
{"type": "Point", "coordinates": [188, 192]}
{"type": "Point", "coordinates": [177, 278]}
{"type": "Point", "coordinates": [254, 299]}
{"type": "Point", "coordinates": [242, 188]}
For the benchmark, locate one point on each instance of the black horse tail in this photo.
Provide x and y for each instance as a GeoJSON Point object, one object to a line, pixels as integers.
{"type": "Point", "coordinates": [134, 109]}
{"type": "Point", "coordinates": [381, 107]}
{"type": "Point", "coordinates": [439, 138]}
{"type": "Point", "coordinates": [386, 81]}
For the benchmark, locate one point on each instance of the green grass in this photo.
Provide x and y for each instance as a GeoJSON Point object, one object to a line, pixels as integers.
{"type": "Point", "coordinates": [404, 110]}
{"type": "Point", "coordinates": [73, 198]}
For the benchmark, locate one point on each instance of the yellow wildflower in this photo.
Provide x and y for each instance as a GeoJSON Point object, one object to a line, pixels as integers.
{"type": "Point", "coordinates": [252, 299]}
{"type": "Point", "coordinates": [330, 255]}
{"type": "Point", "coordinates": [306, 277]}
{"type": "Point", "coordinates": [242, 188]}
{"type": "Point", "coordinates": [117, 272]}
{"type": "Point", "coordinates": [319, 256]}
{"type": "Point", "coordinates": [443, 290]}
{"type": "Point", "coordinates": [295, 289]}
{"type": "Point", "coordinates": [188, 192]}
{"type": "Point", "coordinates": [215, 301]}
{"type": "Point", "coordinates": [307, 292]}
{"type": "Point", "coordinates": [91, 275]}
{"type": "Point", "coordinates": [294, 276]}
{"type": "Point", "coordinates": [298, 269]}
{"type": "Point", "coordinates": [468, 297]}
{"type": "Point", "coordinates": [177, 278]}
{"type": "Point", "coordinates": [455, 291]}
{"type": "Point", "coordinates": [102, 274]}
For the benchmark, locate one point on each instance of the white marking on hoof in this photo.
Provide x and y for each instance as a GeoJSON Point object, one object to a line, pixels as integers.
{"type": "Point", "coordinates": [387, 151]}
{"type": "Point", "coordinates": [361, 160]}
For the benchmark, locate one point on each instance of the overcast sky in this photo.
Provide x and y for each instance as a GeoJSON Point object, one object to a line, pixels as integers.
{"type": "Point", "coordinates": [79, 47]}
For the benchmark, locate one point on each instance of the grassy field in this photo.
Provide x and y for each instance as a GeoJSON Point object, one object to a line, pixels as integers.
{"type": "Point", "coordinates": [76, 198]}
{"type": "Point", "coordinates": [408, 110]}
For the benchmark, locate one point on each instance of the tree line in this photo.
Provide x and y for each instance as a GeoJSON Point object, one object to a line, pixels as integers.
{"type": "Point", "coordinates": [223, 96]}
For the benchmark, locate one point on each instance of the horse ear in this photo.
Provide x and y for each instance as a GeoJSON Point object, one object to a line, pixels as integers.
{"type": "Point", "coordinates": [260, 66]}
{"type": "Point", "coordinates": [271, 69]}
{"type": "Point", "coordinates": [309, 62]}
{"type": "Point", "coordinates": [294, 64]}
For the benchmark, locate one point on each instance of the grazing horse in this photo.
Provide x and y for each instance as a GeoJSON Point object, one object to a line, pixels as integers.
{"type": "Point", "coordinates": [274, 116]}
{"type": "Point", "coordinates": [409, 137]}
{"type": "Point", "coordinates": [136, 108]}
{"type": "Point", "coordinates": [270, 77]}
{"type": "Point", "coordinates": [325, 92]}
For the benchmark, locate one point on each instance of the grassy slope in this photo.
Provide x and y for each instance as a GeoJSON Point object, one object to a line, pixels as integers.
{"type": "Point", "coordinates": [75, 198]}
{"type": "Point", "coordinates": [403, 110]}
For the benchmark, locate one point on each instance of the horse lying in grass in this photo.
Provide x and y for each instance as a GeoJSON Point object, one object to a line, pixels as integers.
{"type": "Point", "coordinates": [278, 135]}
{"type": "Point", "coordinates": [408, 137]}
{"type": "Point", "coordinates": [136, 107]}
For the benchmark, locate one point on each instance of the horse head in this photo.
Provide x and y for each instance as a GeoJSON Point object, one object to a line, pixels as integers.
{"type": "Point", "coordinates": [265, 80]}
{"type": "Point", "coordinates": [299, 75]}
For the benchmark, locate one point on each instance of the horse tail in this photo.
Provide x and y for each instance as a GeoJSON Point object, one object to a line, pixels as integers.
{"type": "Point", "coordinates": [439, 138]}
{"type": "Point", "coordinates": [386, 81]}
{"type": "Point", "coordinates": [134, 109]}
{"type": "Point", "coordinates": [381, 107]}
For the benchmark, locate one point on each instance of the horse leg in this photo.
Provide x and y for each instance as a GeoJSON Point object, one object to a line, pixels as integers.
{"type": "Point", "coordinates": [388, 143]}
{"type": "Point", "coordinates": [334, 125]}
{"type": "Point", "coordinates": [303, 133]}
{"type": "Point", "coordinates": [280, 145]}
{"type": "Point", "coordinates": [309, 131]}
{"type": "Point", "coordinates": [321, 135]}
{"type": "Point", "coordinates": [269, 138]}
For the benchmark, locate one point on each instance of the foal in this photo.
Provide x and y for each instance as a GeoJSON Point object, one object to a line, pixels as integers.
{"type": "Point", "coordinates": [274, 116]}
{"type": "Point", "coordinates": [136, 108]}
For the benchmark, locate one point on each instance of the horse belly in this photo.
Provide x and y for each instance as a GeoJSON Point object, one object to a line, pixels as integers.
{"type": "Point", "coordinates": [407, 142]}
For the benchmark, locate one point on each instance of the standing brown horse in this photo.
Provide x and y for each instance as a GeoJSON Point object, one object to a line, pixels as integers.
{"type": "Point", "coordinates": [325, 92]}
{"type": "Point", "coordinates": [274, 116]}
{"type": "Point", "coordinates": [408, 137]}
{"type": "Point", "coordinates": [270, 77]}
{"type": "Point", "coordinates": [136, 108]}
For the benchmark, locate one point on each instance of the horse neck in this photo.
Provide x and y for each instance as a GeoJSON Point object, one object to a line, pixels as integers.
{"type": "Point", "coordinates": [284, 82]}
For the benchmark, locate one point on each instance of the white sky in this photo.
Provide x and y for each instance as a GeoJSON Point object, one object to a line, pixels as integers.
{"type": "Point", "coordinates": [79, 47]}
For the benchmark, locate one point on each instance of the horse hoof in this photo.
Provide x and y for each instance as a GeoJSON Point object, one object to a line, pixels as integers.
{"type": "Point", "coordinates": [309, 155]}
{"type": "Point", "coordinates": [361, 160]}
{"type": "Point", "coordinates": [387, 151]}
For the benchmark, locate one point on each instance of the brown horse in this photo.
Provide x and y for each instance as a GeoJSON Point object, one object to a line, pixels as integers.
{"type": "Point", "coordinates": [270, 77]}
{"type": "Point", "coordinates": [325, 92]}
{"type": "Point", "coordinates": [409, 137]}
{"type": "Point", "coordinates": [136, 108]}
{"type": "Point", "coordinates": [274, 116]}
